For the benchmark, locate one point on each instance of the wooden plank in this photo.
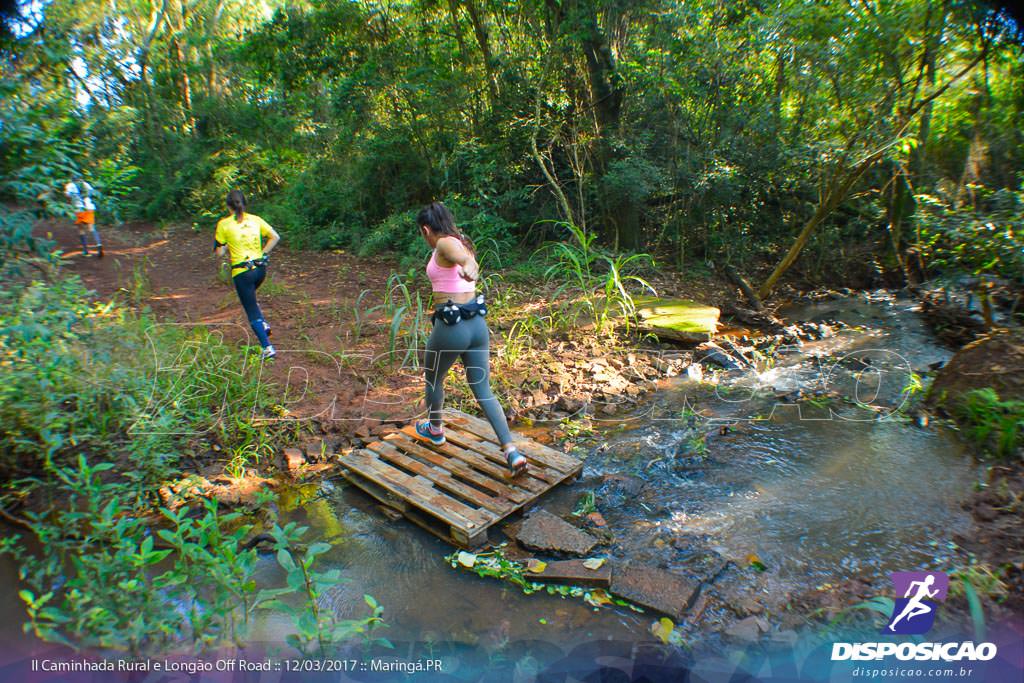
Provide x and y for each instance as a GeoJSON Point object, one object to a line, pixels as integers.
{"type": "Point", "coordinates": [440, 477]}
{"type": "Point", "coordinates": [457, 490]}
{"type": "Point", "coordinates": [468, 539]}
{"type": "Point", "coordinates": [443, 530]}
{"type": "Point", "coordinates": [537, 470]}
{"type": "Point", "coordinates": [456, 466]}
{"type": "Point", "coordinates": [546, 455]}
{"type": "Point", "coordinates": [383, 495]}
{"type": "Point", "coordinates": [482, 462]}
{"type": "Point", "coordinates": [419, 493]}
{"type": "Point", "coordinates": [549, 456]}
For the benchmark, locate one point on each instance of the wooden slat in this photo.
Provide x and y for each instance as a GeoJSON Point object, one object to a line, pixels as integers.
{"type": "Point", "coordinates": [418, 493]}
{"type": "Point", "coordinates": [549, 456]}
{"type": "Point", "coordinates": [439, 476]}
{"type": "Point", "coordinates": [485, 462]}
{"type": "Point", "coordinates": [456, 466]}
{"type": "Point", "coordinates": [436, 526]}
{"type": "Point", "coordinates": [537, 470]}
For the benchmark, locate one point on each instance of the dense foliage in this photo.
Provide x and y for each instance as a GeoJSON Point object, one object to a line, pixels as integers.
{"type": "Point", "coordinates": [716, 131]}
{"type": "Point", "coordinates": [99, 406]}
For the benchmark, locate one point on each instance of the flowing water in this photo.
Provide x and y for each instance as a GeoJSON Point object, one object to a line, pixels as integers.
{"type": "Point", "coordinates": [820, 488]}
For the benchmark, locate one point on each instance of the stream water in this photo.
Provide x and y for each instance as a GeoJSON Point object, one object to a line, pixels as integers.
{"type": "Point", "coordinates": [818, 488]}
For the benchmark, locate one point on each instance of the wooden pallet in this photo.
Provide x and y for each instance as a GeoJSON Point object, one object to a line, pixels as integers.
{"type": "Point", "coordinates": [461, 489]}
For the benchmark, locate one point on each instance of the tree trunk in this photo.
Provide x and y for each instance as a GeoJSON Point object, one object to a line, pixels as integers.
{"type": "Point", "coordinates": [183, 78]}
{"type": "Point", "coordinates": [744, 286]}
{"type": "Point", "coordinates": [212, 84]}
{"type": "Point", "coordinates": [840, 185]}
{"type": "Point", "coordinates": [606, 87]}
{"type": "Point", "coordinates": [483, 40]}
{"type": "Point", "coordinates": [837, 190]}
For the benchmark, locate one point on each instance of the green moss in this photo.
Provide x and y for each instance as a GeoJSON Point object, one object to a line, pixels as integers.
{"type": "Point", "coordinates": [678, 318]}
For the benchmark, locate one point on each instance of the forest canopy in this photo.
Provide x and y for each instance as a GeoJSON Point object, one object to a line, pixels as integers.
{"type": "Point", "coordinates": [882, 133]}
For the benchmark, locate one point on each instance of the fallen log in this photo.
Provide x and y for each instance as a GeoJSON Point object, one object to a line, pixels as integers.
{"type": "Point", "coordinates": [744, 286]}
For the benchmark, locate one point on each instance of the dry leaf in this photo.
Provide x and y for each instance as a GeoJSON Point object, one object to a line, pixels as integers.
{"type": "Point", "coordinates": [466, 559]}
{"type": "Point", "coordinates": [754, 561]}
{"type": "Point", "coordinates": [598, 597]}
{"type": "Point", "coordinates": [662, 629]}
{"type": "Point", "coordinates": [535, 566]}
{"type": "Point", "coordinates": [594, 562]}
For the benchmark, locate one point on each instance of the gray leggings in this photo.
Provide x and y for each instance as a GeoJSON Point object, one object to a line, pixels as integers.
{"type": "Point", "coordinates": [470, 339]}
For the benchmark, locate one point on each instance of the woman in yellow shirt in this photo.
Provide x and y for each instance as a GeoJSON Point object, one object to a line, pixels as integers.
{"type": "Point", "coordinates": [241, 235]}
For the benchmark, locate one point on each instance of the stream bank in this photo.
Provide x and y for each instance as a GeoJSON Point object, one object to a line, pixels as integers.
{"type": "Point", "coordinates": [750, 462]}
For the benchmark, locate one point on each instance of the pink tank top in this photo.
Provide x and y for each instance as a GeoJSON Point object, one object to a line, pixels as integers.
{"type": "Point", "coordinates": [447, 279]}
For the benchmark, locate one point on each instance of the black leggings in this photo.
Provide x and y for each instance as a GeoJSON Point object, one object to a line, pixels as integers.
{"type": "Point", "coordinates": [246, 284]}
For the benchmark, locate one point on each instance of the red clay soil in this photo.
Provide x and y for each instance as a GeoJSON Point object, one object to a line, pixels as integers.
{"type": "Point", "coordinates": [324, 372]}
{"type": "Point", "coordinates": [308, 299]}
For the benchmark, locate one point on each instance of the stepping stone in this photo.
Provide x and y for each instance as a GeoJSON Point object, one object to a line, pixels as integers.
{"type": "Point", "coordinates": [574, 573]}
{"type": "Point", "coordinates": [655, 589]}
{"type": "Point", "coordinates": [748, 630]}
{"type": "Point", "coordinates": [544, 531]}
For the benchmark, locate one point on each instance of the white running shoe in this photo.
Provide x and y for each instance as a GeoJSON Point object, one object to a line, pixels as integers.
{"type": "Point", "coordinates": [269, 352]}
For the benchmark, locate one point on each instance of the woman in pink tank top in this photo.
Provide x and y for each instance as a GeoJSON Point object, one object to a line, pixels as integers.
{"type": "Point", "coordinates": [459, 331]}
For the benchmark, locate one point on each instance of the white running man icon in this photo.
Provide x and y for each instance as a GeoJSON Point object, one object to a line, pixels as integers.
{"type": "Point", "coordinates": [915, 607]}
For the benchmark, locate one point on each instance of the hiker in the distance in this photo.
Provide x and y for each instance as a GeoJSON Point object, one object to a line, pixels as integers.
{"type": "Point", "coordinates": [241, 235]}
{"type": "Point", "coordinates": [79, 192]}
{"type": "Point", "coordinates": [459, 330]}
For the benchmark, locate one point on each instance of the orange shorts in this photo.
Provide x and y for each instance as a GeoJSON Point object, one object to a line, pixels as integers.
{"type": "Point", "coordinates": [87, 217]}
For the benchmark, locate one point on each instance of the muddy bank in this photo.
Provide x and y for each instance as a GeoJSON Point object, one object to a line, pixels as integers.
{"type": "Point", "coordinates": [994, 361]}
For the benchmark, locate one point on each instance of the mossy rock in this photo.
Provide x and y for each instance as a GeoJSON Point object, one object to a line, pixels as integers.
{"type": "Point", "coordinates": [679, 320]}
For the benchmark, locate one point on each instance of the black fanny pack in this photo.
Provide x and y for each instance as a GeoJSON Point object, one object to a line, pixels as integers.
{"type": "Point", "coordinates": [450, 312]}
{"type": "Point", "coordinates": [251, 263]}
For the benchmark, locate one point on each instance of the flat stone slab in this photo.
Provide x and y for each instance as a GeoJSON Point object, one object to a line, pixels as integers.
{"type": "Point", "coordinates": [574, 573]}
{"type": "Point", "coordinates": [655, 589]}
{"type": "Point", "coordinates": [544, 531]}
{"type": "Point", "coordinates": [748, 630]}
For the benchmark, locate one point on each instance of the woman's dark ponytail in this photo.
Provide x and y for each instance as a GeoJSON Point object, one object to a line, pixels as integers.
{"type": "Point", "coordinates": [236, 202]}
{"type": "Point", "coordinates": [440, 220]}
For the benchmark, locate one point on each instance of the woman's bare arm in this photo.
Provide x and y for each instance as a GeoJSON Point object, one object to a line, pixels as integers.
{"type": "Point", "coordinates": [455, 251]}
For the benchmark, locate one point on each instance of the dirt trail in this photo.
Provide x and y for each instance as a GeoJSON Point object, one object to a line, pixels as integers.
{"type": "Point", "coordinates": [308, 298]}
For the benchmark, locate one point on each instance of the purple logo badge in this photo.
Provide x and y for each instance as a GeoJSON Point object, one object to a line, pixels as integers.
{"type": "Point", "coordinates": [917, 597]}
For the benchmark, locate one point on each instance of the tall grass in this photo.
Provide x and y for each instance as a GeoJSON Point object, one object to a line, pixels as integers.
{"type": "Point", "coordinates": [598, 280]}
{"type": "Point", "coordinates": [407, 314]}
{"type": "Point", "coordinates": [100, 378]}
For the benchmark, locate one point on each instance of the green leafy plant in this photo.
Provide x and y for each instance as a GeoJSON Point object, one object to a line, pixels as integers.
{"type": "Point", "coordinates": [359, 315]}
{"type": "Point", "coordinates": [585, 505]}
{"type": "Point", "coordinates": [318, 632]}
{"type": "Point", "coordinates": [992, 423]}
{"type": "Point", "coordinates": [494, 564]}
{"type": "Point", "coordinates": [879, 606]}
{"type": "Point", "coordinates": [100, 580]}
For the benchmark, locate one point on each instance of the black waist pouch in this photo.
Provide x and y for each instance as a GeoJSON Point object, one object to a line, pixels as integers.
{"type": "Point", "coordinates": [451, 313]}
